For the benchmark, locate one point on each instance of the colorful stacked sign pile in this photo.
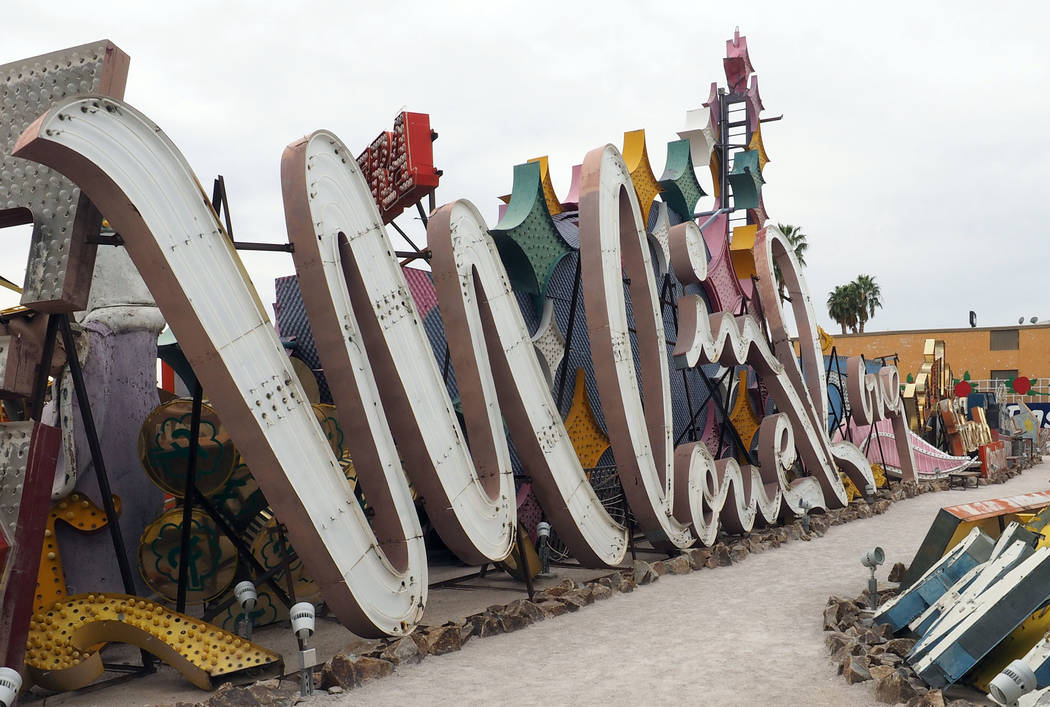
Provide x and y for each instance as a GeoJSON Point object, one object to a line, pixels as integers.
{"type": "Point", "coordinates": [618, 360]}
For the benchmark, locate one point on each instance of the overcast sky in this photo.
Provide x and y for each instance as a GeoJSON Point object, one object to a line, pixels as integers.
{"type": "Point", "coordinates": [915, 144]}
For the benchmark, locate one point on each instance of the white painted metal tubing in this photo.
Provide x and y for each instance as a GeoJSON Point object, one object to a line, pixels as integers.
{"type": "Point", "coordinates": [486, 330]}
{"type": "Point", "coordinates": [143, 185]}
{"type": "Point", "coordinates": [371, 327]}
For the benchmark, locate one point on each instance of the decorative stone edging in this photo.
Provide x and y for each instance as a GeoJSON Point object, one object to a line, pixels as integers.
{"type": "Point", "coordinates": [865, 651]}
{"type": "Point", "coordinates": [868, 652]}
{"type": "Point", "coordinates": [365, 660]}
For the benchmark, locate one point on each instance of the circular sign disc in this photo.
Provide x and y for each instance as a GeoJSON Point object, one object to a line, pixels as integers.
{"type": "Point", "coordinates": [270, 547]}
{"type": "Point", "coordinates": [212, 557]}
{"type": "Point", "coordinates": [164, 448]}
{"type": "Point", "coordinates": [307, 379]}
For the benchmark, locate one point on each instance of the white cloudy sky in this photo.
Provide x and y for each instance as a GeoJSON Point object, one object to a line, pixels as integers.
{"type": "Point", "coordinates": [914, 145]}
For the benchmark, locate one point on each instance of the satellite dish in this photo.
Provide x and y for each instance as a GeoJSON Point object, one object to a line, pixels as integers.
{"type": "Point", "coordinates": [973, 318]}
{"type": "Point", "coordinates": [1020, 320]}
{"type": "Point", "coordinates": [1033, 320]}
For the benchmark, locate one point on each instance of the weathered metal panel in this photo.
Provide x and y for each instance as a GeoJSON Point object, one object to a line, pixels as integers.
{"type": "Point", "coordinates": [983, 617]}
{"type": "Point", "coordinates": [906, 606]}
{"type": "Point", "coordinates": [979, 510]}
{"type": "Point", "coordinates": [58, 274]}
{"type": "Point", "coordinates": [21, 346]}
{"type": "Point", "coordinates": [953, 522]}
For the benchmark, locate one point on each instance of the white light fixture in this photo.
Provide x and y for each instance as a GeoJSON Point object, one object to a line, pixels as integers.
{"type": "Point", "coordinates": [1015, 680]}
{"type": "Point", "coordinates": [302, 615]}
{"type": "Point", "coordinates": [10, 684]}
{"type": "Point", "coordinates": [874, 557]}
{"type": "Point", "coordinates": [803, 514]}
{"type": "Point", "coordinates": [543, 538]}
{"type": "Point", "coordinates": [543, 529]}
{"type": "Point", "coordinates": [246, 595]}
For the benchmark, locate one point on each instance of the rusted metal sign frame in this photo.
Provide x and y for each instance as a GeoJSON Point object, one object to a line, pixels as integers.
{"type": "Point", "coordinates": [65, 223]}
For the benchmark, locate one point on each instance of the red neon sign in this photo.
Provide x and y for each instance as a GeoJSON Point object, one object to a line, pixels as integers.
{"type": "Point", "coordinates": [399, 165]}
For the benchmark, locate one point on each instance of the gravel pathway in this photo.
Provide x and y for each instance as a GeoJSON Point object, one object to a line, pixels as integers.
{"type": "Point", "coordinates": [750, 634]}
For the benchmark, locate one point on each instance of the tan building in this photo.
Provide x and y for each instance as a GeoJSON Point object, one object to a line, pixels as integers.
{"type": "Point", "coordinates": [986, 352]}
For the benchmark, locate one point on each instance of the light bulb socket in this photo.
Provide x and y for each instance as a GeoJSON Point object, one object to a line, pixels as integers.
{"type": "Point", "coordinates": [10, 684]}
{"type": "Point", "coordinates": [1016, 679]}
{"type": "Point", "coordinates": [246, 594]}
{"type": "Point", "coordinates": [874, 557]}
{"type": "Point", "coordinates": [302, 615]}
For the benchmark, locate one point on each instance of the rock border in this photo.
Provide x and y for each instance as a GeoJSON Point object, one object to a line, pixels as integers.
{"type": "Point", "coordinates": [365, 660]}
{"type": "Point", "coordinates": [865, 651]}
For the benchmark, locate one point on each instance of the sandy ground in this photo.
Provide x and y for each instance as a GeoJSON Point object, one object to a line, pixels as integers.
{"type": "Point", "coordinates": [750, 634]}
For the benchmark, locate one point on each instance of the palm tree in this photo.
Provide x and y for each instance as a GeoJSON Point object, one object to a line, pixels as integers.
{"type": "Point", "coordinates": [797, 239]}
{"type": "Point", "coordinates": [868, 298]}
{"type": "Point", "coordinates": [843, 304]}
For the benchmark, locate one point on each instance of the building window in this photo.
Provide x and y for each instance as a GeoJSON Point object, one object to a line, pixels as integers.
{"type": "Point", "coordinates": [1003, 340]}
{"type": "Point", "coordinates": [1004, 375]}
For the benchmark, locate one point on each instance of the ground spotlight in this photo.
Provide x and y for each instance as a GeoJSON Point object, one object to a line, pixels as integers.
{"type": "Point", "coordinates": [247, 596]}
{"type": "Point", "coordinates": [10, 684]}
{"type": "Point", "coordinates": [803, 514]}
{"type": "Point", "coordinates": [543, 540]}
{"type": "Point", "coordinates": [302, 615]}
{"type": "Point", "coordinates": [872, 559]}
{"type": "Point", "coordinates": [1015, 680]}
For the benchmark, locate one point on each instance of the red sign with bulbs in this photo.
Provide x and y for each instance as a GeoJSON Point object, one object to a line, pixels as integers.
{"type": "Point", "coordinates": [399, 164]}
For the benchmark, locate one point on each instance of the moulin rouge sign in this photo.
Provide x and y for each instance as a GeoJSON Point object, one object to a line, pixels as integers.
{"type": "Point", "coordinates": [386, 384]}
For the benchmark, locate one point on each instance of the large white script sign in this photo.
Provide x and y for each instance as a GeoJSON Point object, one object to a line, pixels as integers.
{"type": "Point", "coordinates": [327, 201]}
{"type": "Point", "coordinates": [387, 386]}
{"type": "Point", "coordinates": [138, 178]}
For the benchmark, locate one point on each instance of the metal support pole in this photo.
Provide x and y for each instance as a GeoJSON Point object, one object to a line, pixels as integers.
{"type": "Point", "coordinates": [221, 203]}
{"type": "Point", "coordinates": [245, 552]}
{"type": "Point", "coordinates": [187, 498]}
{"type": "Point", "coordinates": [715, 392]}
{"type": "Point", "coordinates": [524, 564]}
{"type": "Point", "coordinates": [286, 562]}
{"type": "Point", "coordinates": [306, 672]}
{"type": "Point", "coordinates": [714, 214]}
{"type": "Point", "coordinates": [689, 402]}
{"type": "Point", "coordinates": [723, 138]}
{"type": "Point", "coordinates": [723, 404]}
{"type": "Point", "coordinates": [419, 251]}
{"type": "Point", "coordinates": [40, 385]}
{"type": "Point", "coordinates": [568, 334]}
{"type": "Point", "coordinates": [692, 423]}
{"type": "Point", "coordinates": [630, 538]}
{"type": "Point", "coordinates": [272, 247]}
{"type": "Point", "coordinates": [685, 379]}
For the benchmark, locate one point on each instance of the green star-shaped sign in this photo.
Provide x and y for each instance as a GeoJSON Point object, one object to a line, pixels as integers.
{"type": "Point", "coordinates": [681, 191]}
